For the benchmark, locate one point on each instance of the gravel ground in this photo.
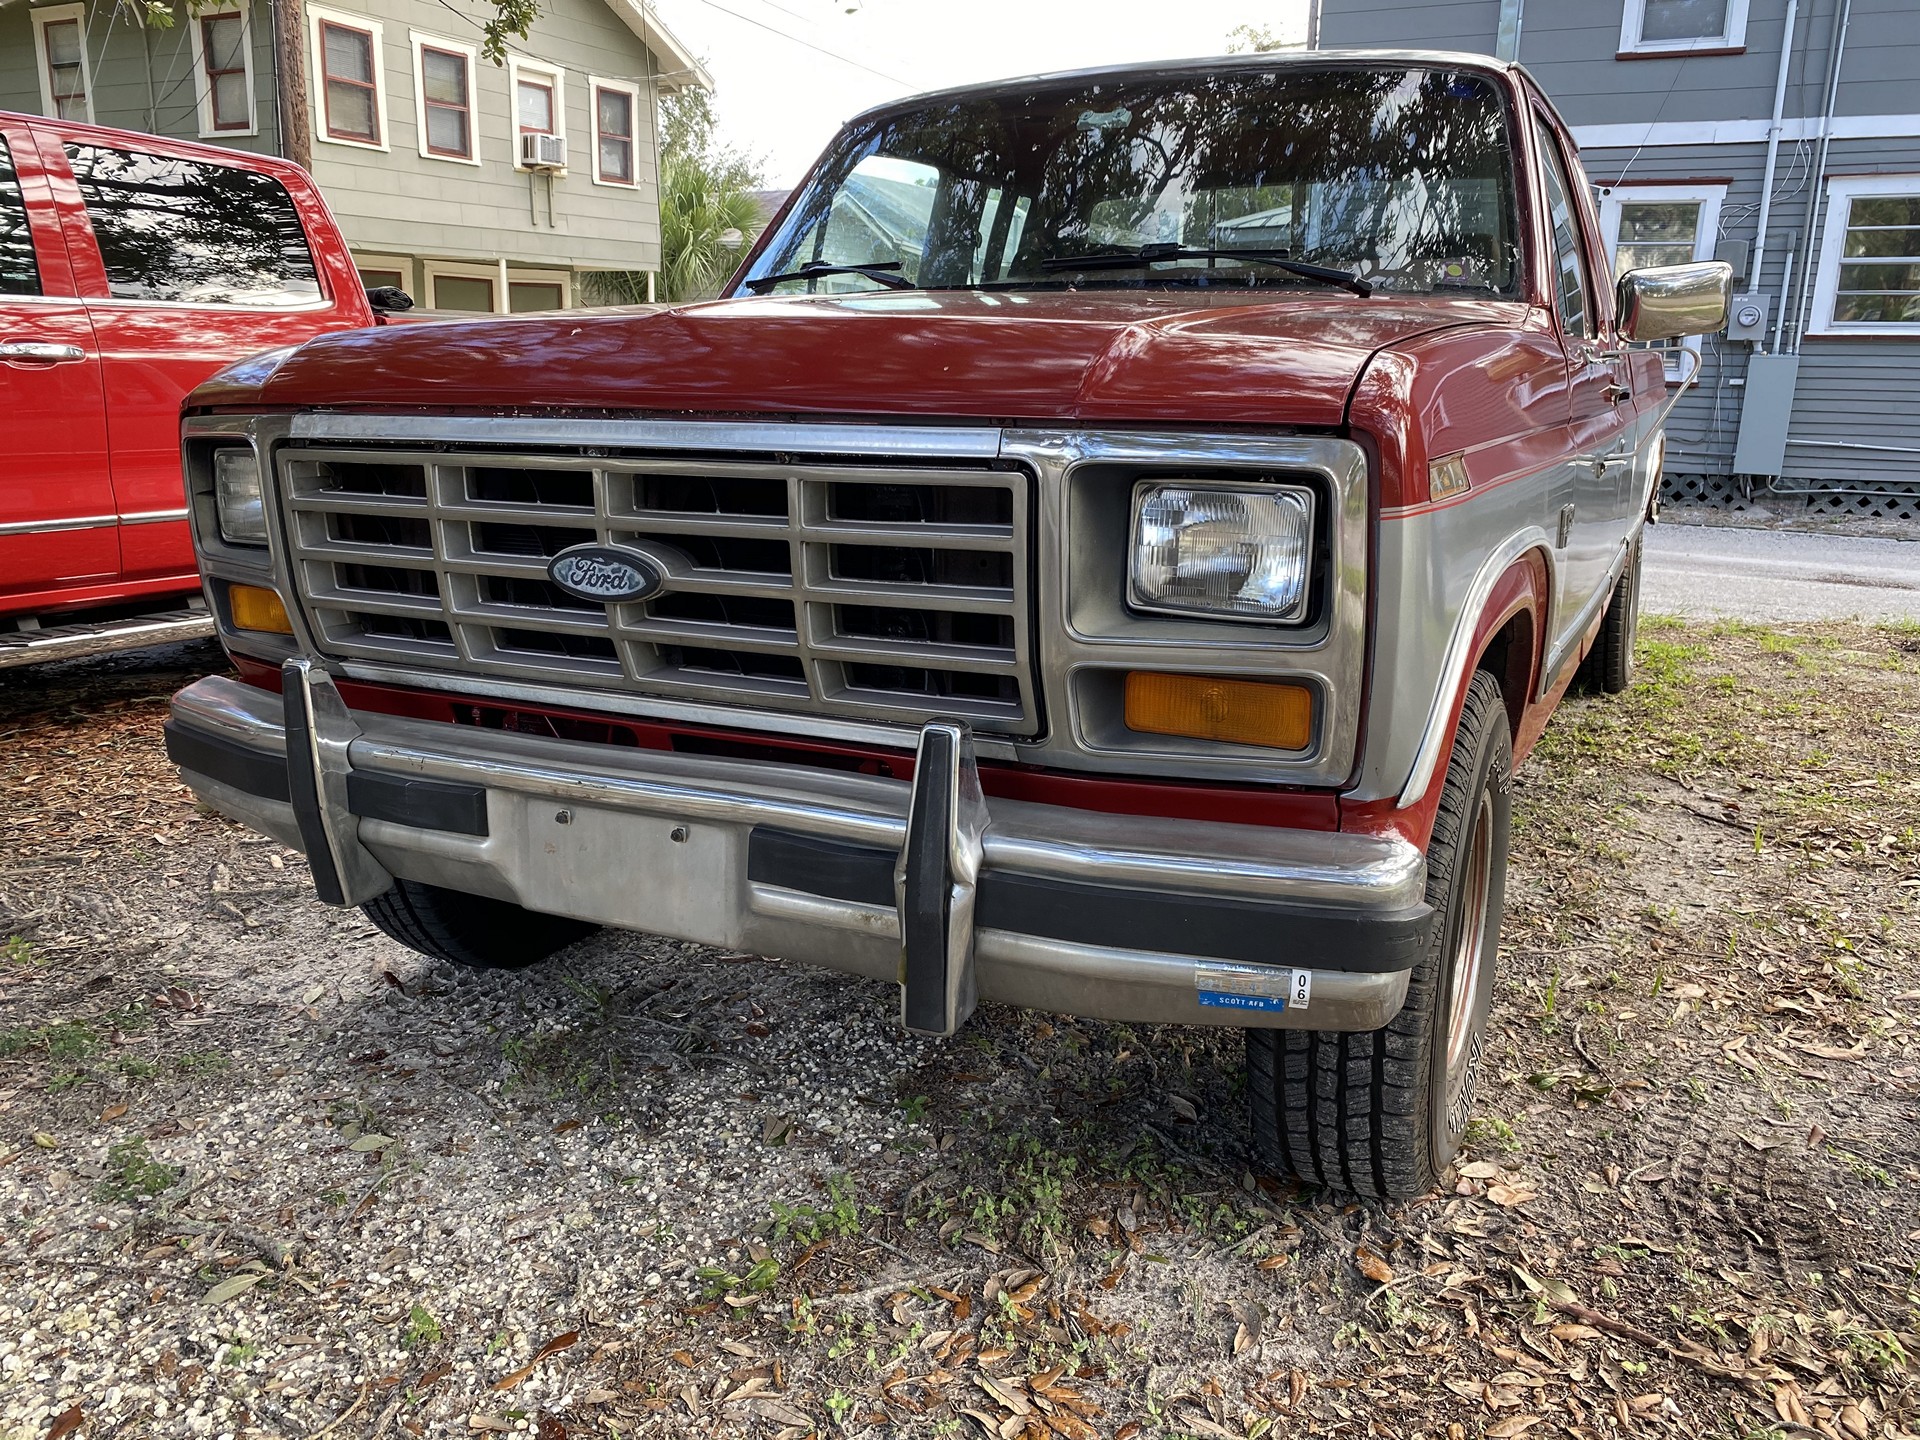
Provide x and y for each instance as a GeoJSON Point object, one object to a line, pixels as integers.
{"type": "Point", "coordinates": [264, 1173]}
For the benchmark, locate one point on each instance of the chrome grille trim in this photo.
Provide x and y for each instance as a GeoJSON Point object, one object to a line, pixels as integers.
{"type": "Point", "coordinates": [805, 592]}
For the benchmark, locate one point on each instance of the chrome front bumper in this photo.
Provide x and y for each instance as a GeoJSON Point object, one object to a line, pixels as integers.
{"type": "Point", "coordinates": [921, 883]}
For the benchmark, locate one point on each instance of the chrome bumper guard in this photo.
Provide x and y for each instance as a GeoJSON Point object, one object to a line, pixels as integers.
{"type": "Point", "coordinates": [1110, 916]}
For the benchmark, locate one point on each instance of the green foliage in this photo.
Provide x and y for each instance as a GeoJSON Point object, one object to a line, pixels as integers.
{"type": "Point", "coordinates": [511, 19]}
{"type": "Point", "coordinates": [133, 1174]}
{"type": "Point", "coordinates": [809, 1224]}
{"type": "Point", "coordinates": [422, 1329]}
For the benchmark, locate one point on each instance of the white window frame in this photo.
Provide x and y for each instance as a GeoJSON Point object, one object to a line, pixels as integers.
{"type": "Point", "coordinates": [1842, 191]}
{"type": "Point", "coordinates": [562, 278]}
{"type": "Point", "coordinates": [208, 131]}
{"type": "Point", "coordinates": [595, 84]}
{"type": "Point", "coordinates": [402, 263]}
{"type": "Point", "coordinates": [1633, 14]}
{"type": "Point", "coordinates": [552, 75]}
{"type": "Point", "coordinates": [49, 15]}
{"type": "Point", "coordinates": [422, 42]}
{"type": "Point", "coordinates": [317, 75]}
{"type": "Point", "coordinates": [1709, 197]}
{"type": "Point", "coordinates": [431, 270]}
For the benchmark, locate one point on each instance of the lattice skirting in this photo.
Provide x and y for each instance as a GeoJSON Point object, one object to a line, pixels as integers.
{"type": "Point", "coordinates": [1809, 497]}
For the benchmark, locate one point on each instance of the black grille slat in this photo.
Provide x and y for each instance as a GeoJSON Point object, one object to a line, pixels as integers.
{"type": "Point", "coordinates": [398, 532]}
{"type": "Point", "coordinates": [531, 488]}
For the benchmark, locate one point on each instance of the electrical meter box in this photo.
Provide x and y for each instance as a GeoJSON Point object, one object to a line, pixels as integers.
{"type": "Point", "coordinates": [1747, 318]}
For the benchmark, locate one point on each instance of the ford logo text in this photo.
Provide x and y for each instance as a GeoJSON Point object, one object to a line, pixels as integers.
{"type": "Point", "coordinates": [607, 572]}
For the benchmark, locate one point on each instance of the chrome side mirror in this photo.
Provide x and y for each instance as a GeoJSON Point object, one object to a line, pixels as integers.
{"type": "Point", "coordinates": [1665, 302]}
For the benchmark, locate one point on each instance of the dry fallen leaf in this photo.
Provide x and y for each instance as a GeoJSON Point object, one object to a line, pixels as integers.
{"type": "Point", "coordinates": [66, 1422]}
{"type": "Point", "coordinates": [1372, 1266]}
{"type": "Point", "coordinates": [553, 1346]}
{"type": "Point", "coordinates": [1513, 1425]}
{"type": "Point", "coordinates": [1509, 1195]}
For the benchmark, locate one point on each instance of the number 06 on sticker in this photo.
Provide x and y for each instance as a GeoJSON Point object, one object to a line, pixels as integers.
{"type": "Point", "coordinates": [1252, 987]}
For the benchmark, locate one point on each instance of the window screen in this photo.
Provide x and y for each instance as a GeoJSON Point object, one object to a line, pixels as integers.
{"type": "Point", "coordinates": [1683, 20]}
{"type": "Point", "coordinates": [19, 275]}
{"type": "Point", "coordinates": [1880, 274]}
{"type": "Point", "coordinates": [185, 230]}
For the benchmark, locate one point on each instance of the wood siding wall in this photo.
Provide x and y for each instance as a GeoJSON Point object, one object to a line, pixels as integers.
{"type": "Point", "coordinates": [398, 202]}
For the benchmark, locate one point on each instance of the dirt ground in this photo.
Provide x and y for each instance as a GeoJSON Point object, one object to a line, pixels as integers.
{"type": "Point", "coordinates": [263, 1173]}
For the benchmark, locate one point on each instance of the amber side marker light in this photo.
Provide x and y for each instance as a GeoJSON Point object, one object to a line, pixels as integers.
{"type": "Point", "coordinates": [1206, 707]}
{"type": "Point", "coordinates": [255, 608]}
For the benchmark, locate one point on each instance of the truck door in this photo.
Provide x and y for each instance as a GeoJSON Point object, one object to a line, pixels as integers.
{"type": "Point", "coordinates": [1586, 521]}
{"type": "Point", "coordinates": [58, 532]}
{"type": "Point", "coordinates": [195, 264]}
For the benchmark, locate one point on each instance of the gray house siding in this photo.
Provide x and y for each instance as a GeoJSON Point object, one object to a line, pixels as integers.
{"type": "Point", "coordinates": [1855, 417]}
{"type": "Point", "coordinates": [144, 77]}
{"type": "Point", "coordinates": [398, 208]}
{"type": "Point", "coordinates": [401, 202]}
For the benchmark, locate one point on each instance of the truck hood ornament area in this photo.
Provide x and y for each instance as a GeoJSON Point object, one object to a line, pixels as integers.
{"type": "Point", "coordinates": [609, 572]}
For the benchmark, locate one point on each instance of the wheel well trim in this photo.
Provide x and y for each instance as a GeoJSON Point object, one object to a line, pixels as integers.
{"type": "Point", "coordinates": [1471, 634]}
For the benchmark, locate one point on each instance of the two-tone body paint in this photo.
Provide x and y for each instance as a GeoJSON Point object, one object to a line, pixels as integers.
{"type": "Point", "coordinates": [1450, 583]}
{"type": "Point", "coordinates": [1561, 458]}
{"type": "Point", "coordinates": [93, 511]}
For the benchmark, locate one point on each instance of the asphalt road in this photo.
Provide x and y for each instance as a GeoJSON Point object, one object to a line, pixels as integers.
{"type": "Point", "coordinates": [1701, 570]}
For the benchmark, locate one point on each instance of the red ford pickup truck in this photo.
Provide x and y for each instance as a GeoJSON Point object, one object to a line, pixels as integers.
{"type": "Point", "coordinates": [131, 269]}
{"type": "Point", "coordinates": [1106, 554]}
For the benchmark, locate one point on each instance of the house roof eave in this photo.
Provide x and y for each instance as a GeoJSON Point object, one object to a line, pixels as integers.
{"type": "Point", "coordinates": [681, 67]}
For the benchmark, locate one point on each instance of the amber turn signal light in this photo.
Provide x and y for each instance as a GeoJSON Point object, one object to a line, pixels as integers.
{"type": "Point", "coordinates": [256, 608]}
{"type": "Point", "coordinates": [1206, 707]}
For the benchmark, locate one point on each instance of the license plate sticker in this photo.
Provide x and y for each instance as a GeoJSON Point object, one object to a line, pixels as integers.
{"type": "Point", "coordinates": [1252, 987]}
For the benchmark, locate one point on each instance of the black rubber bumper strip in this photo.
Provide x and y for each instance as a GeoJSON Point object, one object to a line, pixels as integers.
{"type": "Point", "coordinates": [1218, 927]}
{"type": "Point", "coordinates": [832, 868]}
{"type": "Point", "coordinates": [423, 804]}
{"type": "Point", "coordinates": [253, 772]}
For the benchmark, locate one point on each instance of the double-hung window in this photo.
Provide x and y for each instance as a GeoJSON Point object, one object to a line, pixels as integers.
{"type": "Point", "coordinates": [350, 86]}
{"type": "Point", "coordinates": [616, 106]}
{"type": "Point", "coordinates": [60, 45]}
{"type": "Point", "coordinates": [1666, 27]}
{"type": "Point", "coordinates": [443, 85]}
{"type": "Point", "coordinates": [221, 45]}
{"type": "Point", "coordinates": [539, 103]}
{"type": "Point", "coordinates": [1652, 224]}
{"type": "Point", "coordinates": [1868, 281]}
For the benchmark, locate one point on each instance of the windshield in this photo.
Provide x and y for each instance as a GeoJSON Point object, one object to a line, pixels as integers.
{"type": "Point", "coordinates": [1400, 175]}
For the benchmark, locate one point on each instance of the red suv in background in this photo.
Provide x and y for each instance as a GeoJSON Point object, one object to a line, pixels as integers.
{"type": "Point", "coordinates": [131, 268]}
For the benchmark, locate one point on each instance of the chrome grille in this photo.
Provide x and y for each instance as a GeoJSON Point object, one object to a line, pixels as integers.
{"type": "Point", "coordinates": [883, 592]}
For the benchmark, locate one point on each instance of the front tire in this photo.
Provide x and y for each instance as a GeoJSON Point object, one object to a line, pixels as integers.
{"type": "Point", "coordinates": [476, 931]}
{"type": "Point", "coordinates": [1383, 1112]}
{"type": "Point", "coordinates": [1608, 667]}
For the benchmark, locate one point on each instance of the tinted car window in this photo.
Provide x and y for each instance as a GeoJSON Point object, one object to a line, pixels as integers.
{"type": "Point", "coordinates": [19, 275]}
{"type": "Point", "coordinates": [172, 229]}
{"type": "Point", "coordinates": [1401, 173]}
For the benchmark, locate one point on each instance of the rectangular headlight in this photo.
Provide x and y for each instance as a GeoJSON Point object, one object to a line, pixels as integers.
{"type": "Point", "coordinates": [1243, 552]}
{"type": "Point", "coordinates": [237, 498]}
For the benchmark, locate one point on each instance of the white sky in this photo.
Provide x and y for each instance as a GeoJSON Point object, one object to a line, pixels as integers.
{"type": "Point", "coordinates": [779, 100]}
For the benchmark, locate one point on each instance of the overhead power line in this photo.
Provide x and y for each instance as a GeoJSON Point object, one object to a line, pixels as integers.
{"type": "Point", "coordinates": [819, 49]}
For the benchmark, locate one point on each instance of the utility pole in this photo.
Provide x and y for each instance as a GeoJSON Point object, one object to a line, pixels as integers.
{"type": "Point", "coordinates": [290, 81]}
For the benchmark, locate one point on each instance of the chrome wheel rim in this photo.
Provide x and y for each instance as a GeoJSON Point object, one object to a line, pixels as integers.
{"type": "Point", "coordinates": [1465, 967]}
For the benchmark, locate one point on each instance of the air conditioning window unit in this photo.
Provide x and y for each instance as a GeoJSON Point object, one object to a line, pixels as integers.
{"type": "Point", "coordinates": [543, 152]}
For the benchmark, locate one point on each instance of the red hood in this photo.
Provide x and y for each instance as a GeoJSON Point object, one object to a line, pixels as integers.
{"type": "Point", "coordinates": [1050, 356]}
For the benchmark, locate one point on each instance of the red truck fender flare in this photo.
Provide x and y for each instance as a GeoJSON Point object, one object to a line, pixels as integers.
{"type": "Point", "coordinates": [1516, 578]}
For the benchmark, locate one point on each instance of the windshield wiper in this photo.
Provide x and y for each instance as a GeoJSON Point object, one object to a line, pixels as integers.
{"type": "Point", "coordinates": [878, 272]}
{"type": "Point", "coordinates": [1164, 253]}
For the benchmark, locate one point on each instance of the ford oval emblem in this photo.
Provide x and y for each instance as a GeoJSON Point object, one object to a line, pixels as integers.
{"type": "Point", "coordinates": [607, 572]}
